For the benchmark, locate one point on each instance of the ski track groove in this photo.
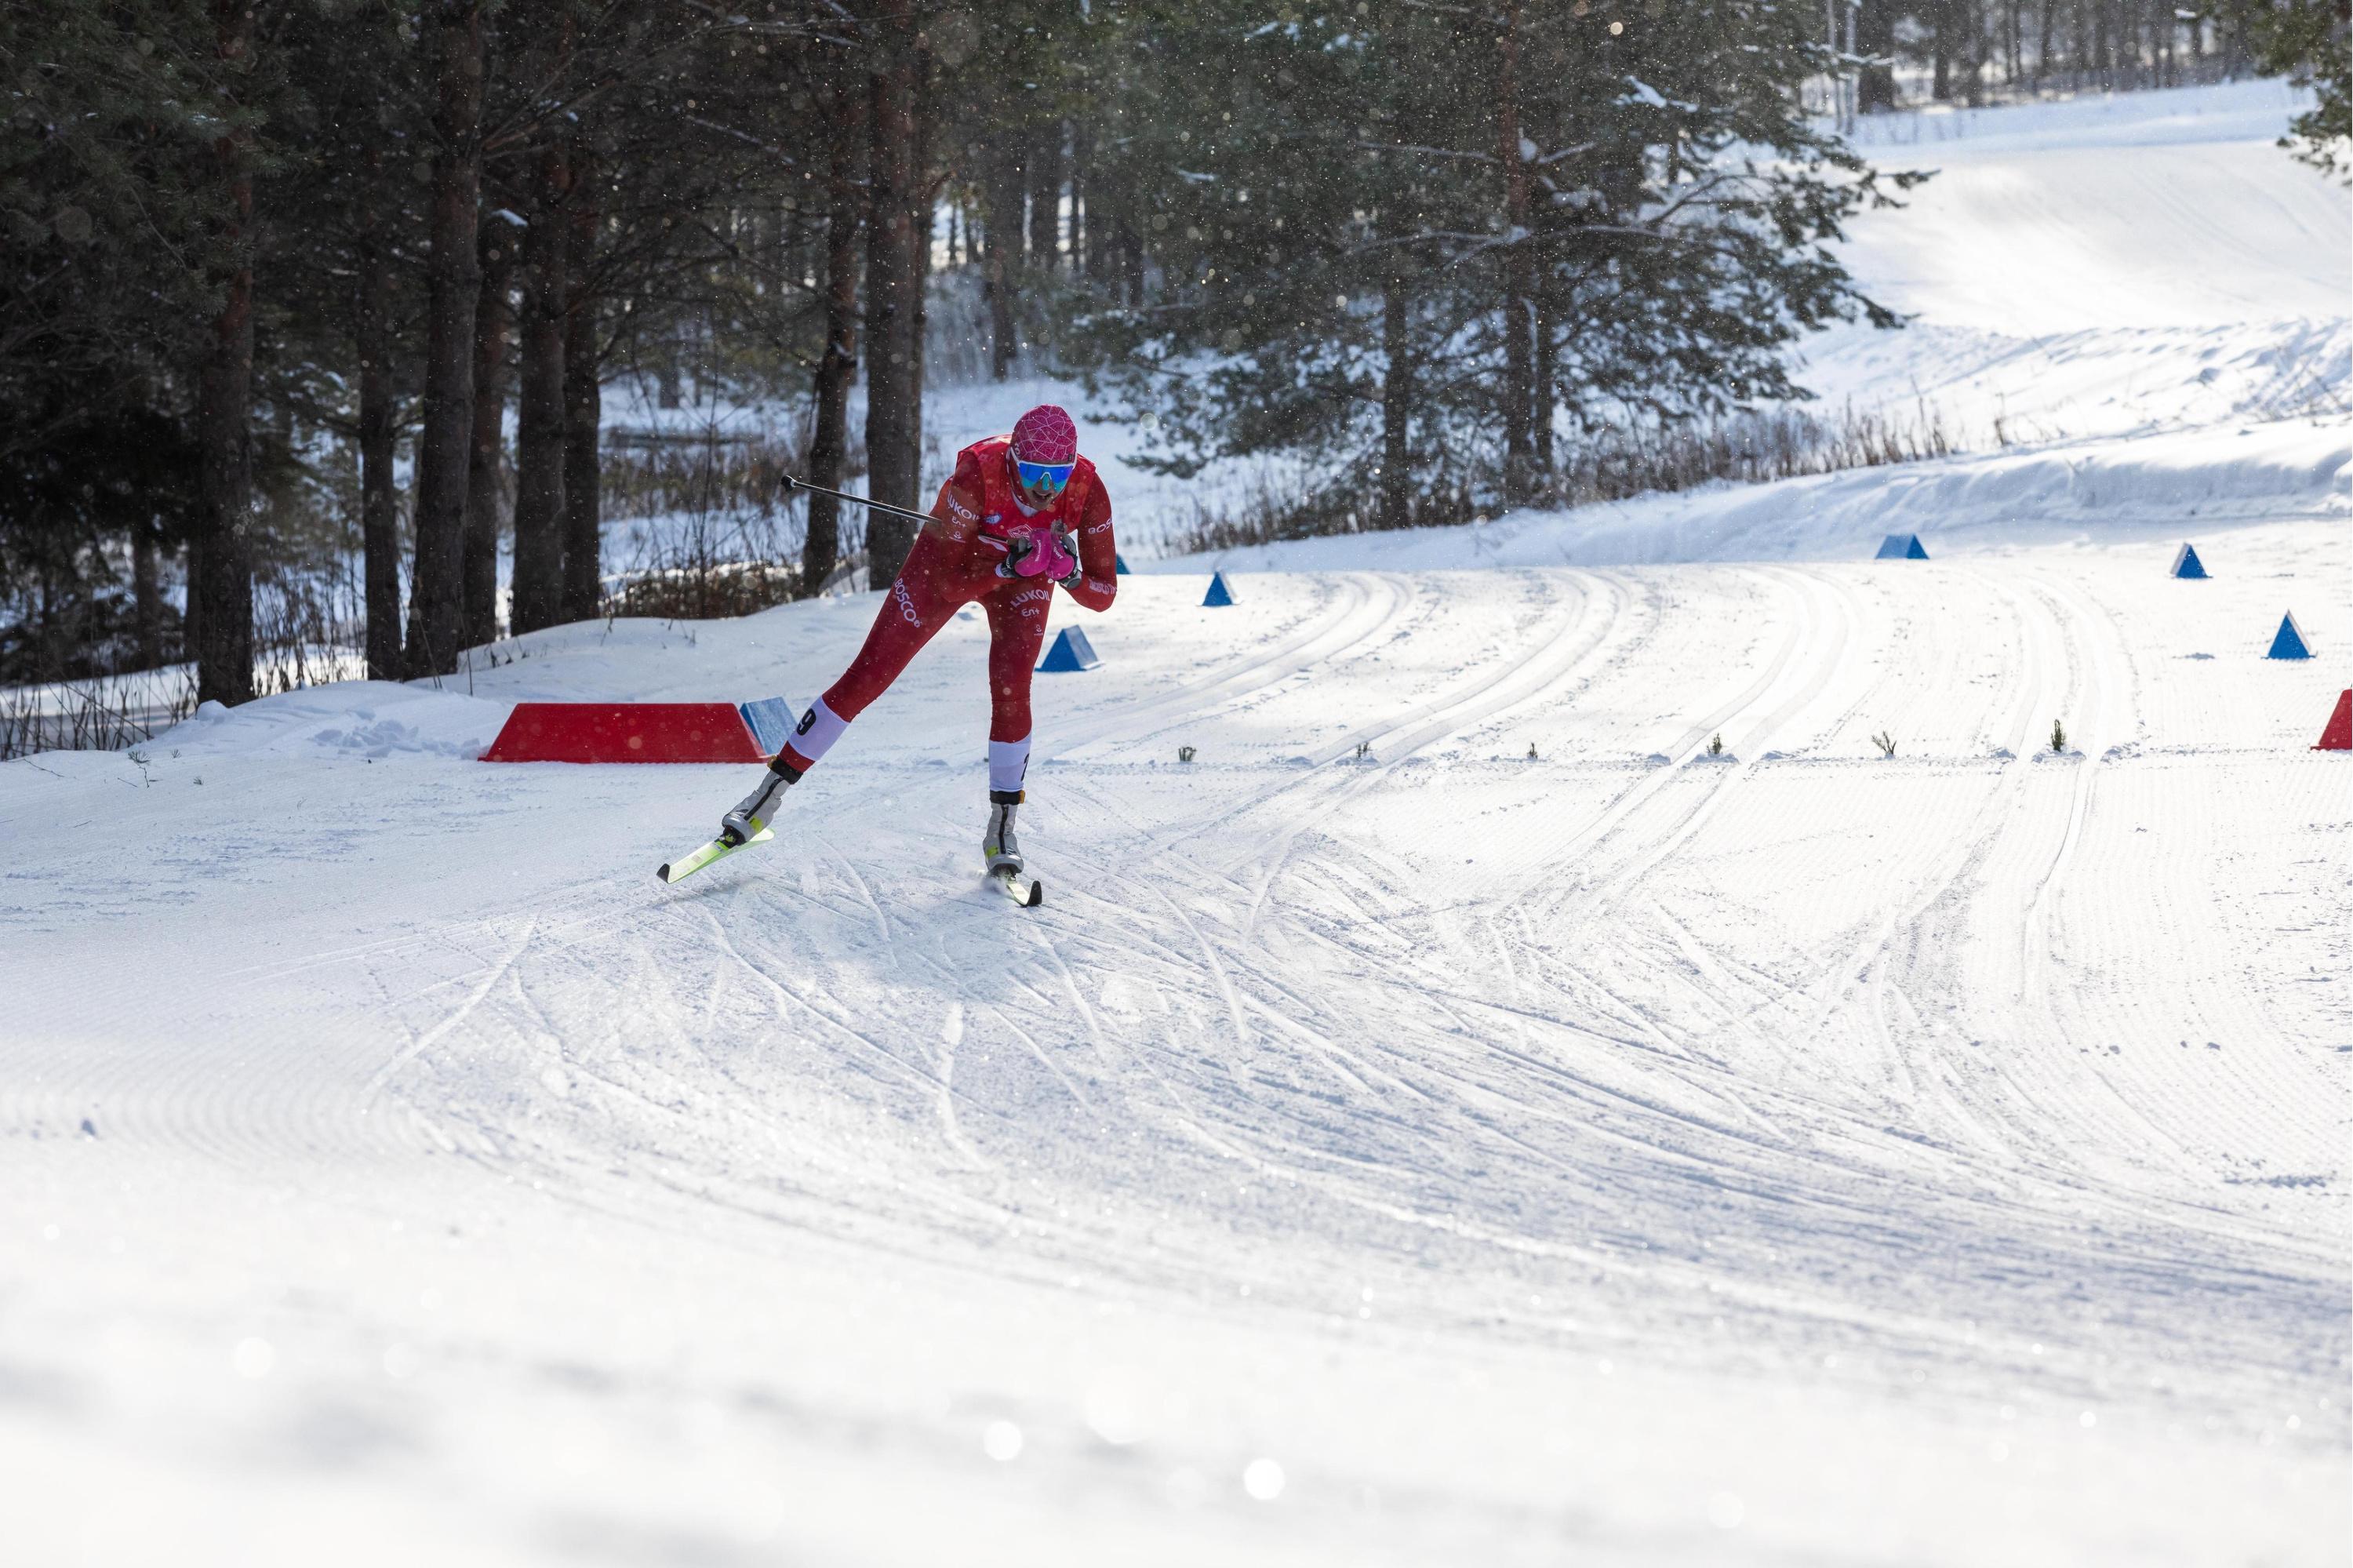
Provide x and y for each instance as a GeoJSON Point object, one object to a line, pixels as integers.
{"type": "Point", "coordinates": [420, 1044]}
{"type": "Point", "coordinates": [1561, 1066]}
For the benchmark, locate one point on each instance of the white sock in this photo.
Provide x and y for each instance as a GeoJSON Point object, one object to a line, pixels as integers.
{"type": "Point", "coordinates": [1007, 761]}
{"type": "Point", "coordinates": [820, 728]}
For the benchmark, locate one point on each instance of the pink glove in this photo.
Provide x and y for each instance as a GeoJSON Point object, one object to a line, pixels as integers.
{"type": "Point", "coordinates": [1037, 553]}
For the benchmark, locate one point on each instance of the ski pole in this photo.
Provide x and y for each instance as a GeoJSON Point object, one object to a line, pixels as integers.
{"type": "Point", "coordinates": [789, 484]}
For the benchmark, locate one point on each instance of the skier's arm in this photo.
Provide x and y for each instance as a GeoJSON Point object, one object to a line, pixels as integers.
{"type": "Point", "coordinates": [956, 515]}
{"type": "Point", "coordinates": [1098, 582]}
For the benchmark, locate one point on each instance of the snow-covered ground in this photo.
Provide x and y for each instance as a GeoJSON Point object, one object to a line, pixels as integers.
{"type": "Point", "coordinates": [1455, 1118]}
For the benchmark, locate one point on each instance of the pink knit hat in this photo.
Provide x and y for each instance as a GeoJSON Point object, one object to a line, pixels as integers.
{"type": "Point", "coordinates": [1045, 434]}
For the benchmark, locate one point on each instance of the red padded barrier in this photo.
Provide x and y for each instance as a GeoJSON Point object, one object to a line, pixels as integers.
{"type": "Point", "coordinates": [625, 732]}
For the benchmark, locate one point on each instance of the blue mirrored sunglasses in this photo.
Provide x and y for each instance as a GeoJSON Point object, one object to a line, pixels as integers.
{"type": "Point", "coordinates": [1048, 477]}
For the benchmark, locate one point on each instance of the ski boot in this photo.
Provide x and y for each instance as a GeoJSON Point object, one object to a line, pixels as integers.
{"type": "Point", "coordinates": [758, 809]}
{"type": "Point", "coordinates": [997, 846]}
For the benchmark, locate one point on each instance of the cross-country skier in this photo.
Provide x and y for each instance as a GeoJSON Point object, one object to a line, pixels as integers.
{"type": "Point", "coordinates": [1022, 513]}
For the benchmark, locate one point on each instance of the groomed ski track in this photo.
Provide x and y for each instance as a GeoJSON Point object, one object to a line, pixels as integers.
{"type": "Point", "coordinates": [1448, 1125]}
{"type": "Point", "coordinates": [1386, 1146]}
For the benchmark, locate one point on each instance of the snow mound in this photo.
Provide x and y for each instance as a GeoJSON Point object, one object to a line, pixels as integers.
{"type": "Point", "coordinates": [2114, 490]}
{"type": "Point", "coordinates": [353, 719]}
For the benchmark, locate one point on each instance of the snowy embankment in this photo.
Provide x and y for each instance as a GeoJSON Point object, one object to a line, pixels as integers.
{"type": "Point", "coordinates": [2130, 312]}
{"type": "Point", "coordinates": [2115, 489]}
{"type": "Point", "coordinates": [1461, 1117]}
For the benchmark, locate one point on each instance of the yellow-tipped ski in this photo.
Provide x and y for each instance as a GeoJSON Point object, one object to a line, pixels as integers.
{"type": "Point", "coordinates": [1022, 890]}
{"type": "Point", "coordinates": [687, 865]}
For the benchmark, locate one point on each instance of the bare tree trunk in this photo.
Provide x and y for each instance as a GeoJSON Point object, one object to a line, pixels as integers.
{"type": "Point", "coordinates": [1083, 153]}
{"type": "Point", "coordinates": [1972, 50]}
{"type": "Point", "coordinates": [792, 242]}
{"type": "Point", "coordinates": [584, 402]}
{"type": "Point", "coordinates": [891, 280]}
{"type": "Point", "coordinates": [539, 410]}
{"type": "Point", "coordinates": [221, 588]}
{"type": "Point", "coordinates": [454, 286]}
{"type": "Point", "coordinates": [146, 594]}
{"type": "Point", "coordinates": [1000, 195]}
{"type": "Point", "coordinates": [921, 209]}
{"type": "Point", "coordinates": [838, 369]}
{"type": "Point", "coordinates": [1544, 389]}
{"type": "Point", "coordinates": [1941, 29]}
{"type": "Point", "coordinates": [192, 619]}
{"type": "Point", "coordinates": [1876, 40]}
{"type": "Point", "coordinates": [1045, 197]}
{"type": "Point", "coordinates": [379, 519]}
{"type": "Point", "coordinates": [1396, 407]}
{"type": "Point", "coordinates": [492, 317]}
{"type": "Point", "coordinates": [1517, 318]}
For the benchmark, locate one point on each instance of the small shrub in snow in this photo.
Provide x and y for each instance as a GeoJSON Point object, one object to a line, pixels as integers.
{"type": "Point", "coordinates": [1885, 742]}
{"type": "Point", "coordinates": [97, 715]}
{"type": "Point", "coordinates": [2058, 735]}
{"type": "Point", "coordinates": [1184, 754]}
{"type": "Point", "coordinates": [704, 590]}
{"type": "Point", "coordinates": [1610, 462]}
{"type": "Point", "coordinates": [1716, 747]}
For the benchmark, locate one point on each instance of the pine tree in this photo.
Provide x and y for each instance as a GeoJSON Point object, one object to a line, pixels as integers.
{"type": "Point", "coordinates": [454, 45]}
{"type": "Point", "coordinates": [2305, 41]}
{"type": "Point", "coordinates": [1630, 222]}
{"type": "Point", "coordinates": [125, 120]}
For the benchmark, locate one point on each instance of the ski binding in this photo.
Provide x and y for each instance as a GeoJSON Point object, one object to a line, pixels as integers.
{"type": "Point", "coordinates": [1027, 892]}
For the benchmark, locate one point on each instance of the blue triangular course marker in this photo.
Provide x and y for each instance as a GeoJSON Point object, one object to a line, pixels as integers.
{"type": "Point", "coordinates": [2186, 563]}
{"type": "Point", "coordinates": [770, 720]}
{"type": "Point", "coordinates": [1119, 566]}
{"type": "Point", "coordinates": [1901, 547]}
{"type": "Point", "coordinates": [1218, 592]}
{"type": "Point", "coordinates": [2289, 644]}
{"type": "Point", "coordinates": [1072, 651]}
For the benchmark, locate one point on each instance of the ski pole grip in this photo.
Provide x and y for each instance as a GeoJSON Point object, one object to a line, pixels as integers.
{"type": "Point", "coordinates": [788, 484]}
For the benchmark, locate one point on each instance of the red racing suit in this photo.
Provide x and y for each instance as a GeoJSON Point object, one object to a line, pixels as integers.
{"type": "Point", "coordinates": [954, 564]}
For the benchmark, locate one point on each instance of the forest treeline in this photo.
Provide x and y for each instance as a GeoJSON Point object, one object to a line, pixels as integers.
{"type": "Point", "coordinates": [375, 261]}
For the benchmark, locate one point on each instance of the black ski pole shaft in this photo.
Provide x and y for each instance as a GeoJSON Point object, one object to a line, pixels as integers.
{"type": "Point", "coordinates": [791, 484]}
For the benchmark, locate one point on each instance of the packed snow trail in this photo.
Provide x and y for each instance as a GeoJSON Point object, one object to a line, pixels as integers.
{"type": "Point", "coordinates": [1670, 1099]}
{"type": "Point", "coordinates": [1461, 1116]}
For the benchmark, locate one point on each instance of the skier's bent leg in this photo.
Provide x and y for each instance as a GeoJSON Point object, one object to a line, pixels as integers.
{"type": "Point", "coordinates": [1008, 764]}
{"type": "Point", "coordinates": [1016, 627]}
{"type": "Point", "coordinates": [918, 604]}
{"type": "Point", "coordinates": [820, 727]}
{"type": "Point", "coordinates": [1008, 761]}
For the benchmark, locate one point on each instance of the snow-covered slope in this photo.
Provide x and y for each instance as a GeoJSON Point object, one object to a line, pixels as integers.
{"type": "Point", "coordinates": [2144, 210]}
{"type": "Point", "coordinates": [1459, 1116]}
{"type": "Point", "coordinates": [2130, 312]}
